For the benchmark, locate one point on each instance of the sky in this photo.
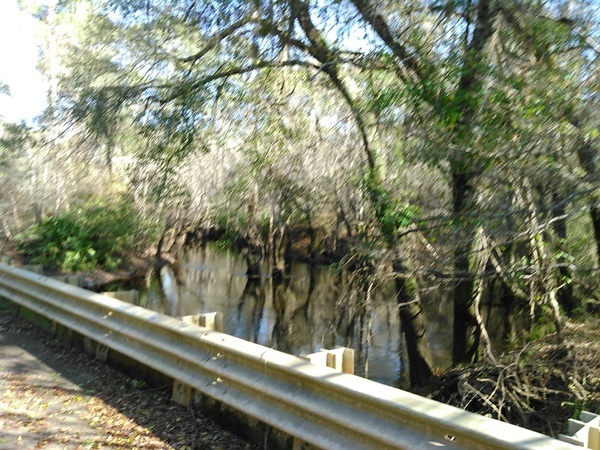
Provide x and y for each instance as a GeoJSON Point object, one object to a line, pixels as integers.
{"type": "Point", "coordinates": [18, 59]}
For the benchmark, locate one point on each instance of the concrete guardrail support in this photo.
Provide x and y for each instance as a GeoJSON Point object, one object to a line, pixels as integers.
{"type": "Point", "coordinates": [130, 296]}
{"type": "Point", "coordinates": [35, 268]}
{"type": "Point", "coordinates": [182, 393]}
{"type": "Point", "coordinates": [74, 280]}
{"type": "Point", "coordinates": [340, 359]}
{"type": "Point", "coordinates": [584, 432]}
{"type": "Point", "coordinates": [213, 321]}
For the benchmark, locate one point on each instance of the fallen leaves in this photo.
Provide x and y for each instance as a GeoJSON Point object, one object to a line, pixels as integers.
{"type": "Point", "coordinates": [112, 411]}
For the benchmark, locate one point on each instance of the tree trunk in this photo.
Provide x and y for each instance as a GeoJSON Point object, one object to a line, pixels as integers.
{"type": "Point", "coordinates": [463, 169]}
{"type": "Point", "coordinates": [412, 323]}
{"type": "Point", "coordinates": [595, 215]}
{"type": "Point", "coordinates": [565, 293]}
{"type": "Point", "coordinates": [463, 322]}
{"type": "Point", "coordinates": [587, 156]}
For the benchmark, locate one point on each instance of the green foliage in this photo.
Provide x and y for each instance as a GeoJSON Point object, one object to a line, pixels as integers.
{"type": "Point", "coordinates": [94, 235]}
{"type": "Point", "coordinates": [543, 326]}
{"type": "Point", "coordinates": [578, 403]}
{"type": "Point", "coordinates": [390, 213]}
{"type": "Point", "coordinates": [15, 138]}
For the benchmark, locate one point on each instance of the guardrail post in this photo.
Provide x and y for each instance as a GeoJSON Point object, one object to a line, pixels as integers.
{"type": "Point", "coordinates": [339, 358]}
{"type": "Point", "coordinates": [132, 296]}
{"type": "Point", "coordinates": [584, 432]}
{"type": "Point", "coordinates": [98, 350]}
{"type": "Point", "coordinates": [213, 321]}
{"type": "Point", "coordinates": [74, 280]}
{"type": "Point", "coordinates": [182, 393]}
{"type": "Point", "coordinates": [5, 259]}
{"type": "Point", "coordinates": [35, 268]}
{"type": "Point", "coordinates": [594, 438]}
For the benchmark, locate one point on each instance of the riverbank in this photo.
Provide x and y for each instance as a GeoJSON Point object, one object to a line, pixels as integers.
{"type": "Point", "coordinates": [133, 267]}
{"type": "Point", "coordinates": [538, 386]}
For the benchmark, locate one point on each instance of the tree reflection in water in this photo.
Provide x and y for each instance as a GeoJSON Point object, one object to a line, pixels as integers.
{"type": "Point", "coordinates": [309, 308]}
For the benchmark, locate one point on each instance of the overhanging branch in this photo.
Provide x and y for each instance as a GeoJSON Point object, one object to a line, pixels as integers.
{"type": "Point", "coordinates": [181, 89]}
{"type": "Point", "coordinates": [218, 37]}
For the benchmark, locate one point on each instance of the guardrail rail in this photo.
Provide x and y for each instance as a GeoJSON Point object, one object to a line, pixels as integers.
{"type": "Point", "coordinates": [318, 406]}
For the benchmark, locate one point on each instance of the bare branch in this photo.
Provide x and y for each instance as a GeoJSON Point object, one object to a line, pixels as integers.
{"type": "Point", "coordinates": [383, 31]}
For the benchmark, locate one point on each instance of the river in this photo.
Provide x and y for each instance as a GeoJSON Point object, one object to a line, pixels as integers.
{"type": "Point", "coordinates": [311, 308]}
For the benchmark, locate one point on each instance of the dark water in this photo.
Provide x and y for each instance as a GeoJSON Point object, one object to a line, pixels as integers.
{"type": "Point", "coordinates": [313, 307]}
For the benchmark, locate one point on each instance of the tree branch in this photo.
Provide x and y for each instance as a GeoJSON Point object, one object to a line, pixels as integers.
{"type": "Point", "coordinates": [382, 29]}
{"type": "Point", "coordinates": [327, 58]}
{"type": "Point", "coordinates": [218, 37]}
{"type": "Point", "coordinates": [185, 89]}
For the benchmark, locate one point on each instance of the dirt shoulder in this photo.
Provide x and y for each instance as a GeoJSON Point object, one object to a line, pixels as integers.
{"type": "Point", "coordinates": [53, 396]}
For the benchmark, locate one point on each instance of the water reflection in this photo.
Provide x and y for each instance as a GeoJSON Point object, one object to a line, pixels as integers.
{"type": "Point", "coordinates": [310, 308]}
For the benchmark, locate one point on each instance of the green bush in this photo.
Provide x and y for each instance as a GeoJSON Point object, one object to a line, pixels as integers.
{"type": "Point", "coordinates": [94, 235]}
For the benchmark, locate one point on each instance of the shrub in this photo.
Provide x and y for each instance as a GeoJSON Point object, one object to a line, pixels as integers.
{"type": "Point", "coordinates": [94, 235]}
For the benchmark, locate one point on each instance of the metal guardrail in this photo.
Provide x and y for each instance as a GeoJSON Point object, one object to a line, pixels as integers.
{"type": "Point", "coordinates": [316, 405]}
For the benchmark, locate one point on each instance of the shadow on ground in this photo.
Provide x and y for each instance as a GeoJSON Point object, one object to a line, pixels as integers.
{"type": "Point", "coordinates": [55, 396]}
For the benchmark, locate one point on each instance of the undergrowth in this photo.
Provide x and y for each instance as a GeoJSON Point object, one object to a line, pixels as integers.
{"type": "Point", "coordinates": [94, 235]}
{"type": "Point", "coordinates": [539, 386]}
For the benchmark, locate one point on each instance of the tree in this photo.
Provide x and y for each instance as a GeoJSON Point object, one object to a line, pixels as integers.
{"type": "Point", "coordinates": [457, 90]}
